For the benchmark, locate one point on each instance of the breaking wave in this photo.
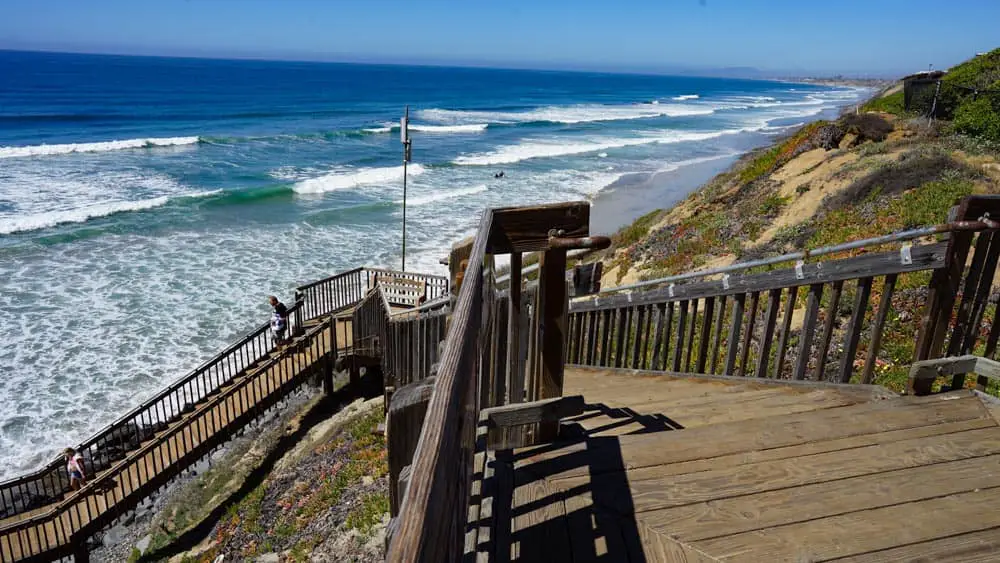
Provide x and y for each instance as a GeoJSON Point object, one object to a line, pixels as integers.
{"type": "Point", "coordinates": [85, 213]}
{"type": "Point", "coordinates": [555, 147]}
{"type": "Point", "coordinates": [350, 178]}
{"type": "Point", "coordinates": [586, 113]}
{"type": "Point", "coordinates": [105, 146]}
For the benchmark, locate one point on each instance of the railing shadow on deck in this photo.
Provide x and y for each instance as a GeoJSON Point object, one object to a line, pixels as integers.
{"type": "Point", "coordinates": [589, 531]}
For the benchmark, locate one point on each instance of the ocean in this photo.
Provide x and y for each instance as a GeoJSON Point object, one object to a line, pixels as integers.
{"type": "Point", "coordinates": [149, 205]}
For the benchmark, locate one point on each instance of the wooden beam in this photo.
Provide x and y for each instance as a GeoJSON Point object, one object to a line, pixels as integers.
{"type": "Point", "coordinates": [526, 229]}
{"type": "Point", "coordinates": [924, 372]}
{"type": "Point", "coordinates": [553, 313]}
{"type": "Point", "coordinates": [926, 257]}
{"type": "Point", "coordinates": [546, 410]}
{"type": "Point", "coordinates": [515, 371]}
{"type": "Point", "coordinates": [407, 408]}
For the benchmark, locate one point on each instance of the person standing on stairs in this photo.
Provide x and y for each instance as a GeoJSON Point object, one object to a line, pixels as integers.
{"type": "Point", "coordinates": [74, 466]}
{"type": "Point", "coordinates": [279, 321]}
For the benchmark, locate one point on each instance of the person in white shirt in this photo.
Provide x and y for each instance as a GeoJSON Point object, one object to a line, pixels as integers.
{"type": "Point", "coordinates": [74, 466]}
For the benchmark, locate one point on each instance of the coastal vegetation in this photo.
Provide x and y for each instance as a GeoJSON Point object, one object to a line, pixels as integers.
{"type": "Point", "coordinates": [873, 171]}
{"type": "Point", "coordinates": [325, 496]}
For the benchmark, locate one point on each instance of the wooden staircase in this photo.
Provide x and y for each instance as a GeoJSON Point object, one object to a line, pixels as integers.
{"type": "Point", "coordinates": [698, 468]}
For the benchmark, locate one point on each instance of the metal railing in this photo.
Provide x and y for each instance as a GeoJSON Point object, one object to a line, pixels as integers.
{"type": "Point", "coordinates": [111, 444]}
{"type": "Point", "coordinates": [344, 290]}
{"type": "Point", "coordinates": [62, 529]}
{"type": "Point", "coordinates": [157, 419]}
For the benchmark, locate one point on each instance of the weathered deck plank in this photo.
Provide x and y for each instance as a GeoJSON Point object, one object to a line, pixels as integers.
{"type": "Point", "coordinates": [883, 480]}
{"type": "Point", "coordinates": [858, 533]}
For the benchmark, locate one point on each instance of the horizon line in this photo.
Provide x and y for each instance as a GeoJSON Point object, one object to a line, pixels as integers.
{"type": "Point", "coordinates": [730, 72]}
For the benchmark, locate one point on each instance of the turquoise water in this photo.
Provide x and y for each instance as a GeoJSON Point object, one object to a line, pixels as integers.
{"type": "Point", "coordinates": [148, 206]}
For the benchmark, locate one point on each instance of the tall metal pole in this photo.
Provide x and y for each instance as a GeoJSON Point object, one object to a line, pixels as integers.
{"type": "Point", "coordinates": [405, 137]}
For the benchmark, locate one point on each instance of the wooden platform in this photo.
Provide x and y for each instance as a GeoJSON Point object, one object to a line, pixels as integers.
{"type": "Point", "coordinates": [724, 469]}
{"type": "Point", "coordinates": [176, 447]}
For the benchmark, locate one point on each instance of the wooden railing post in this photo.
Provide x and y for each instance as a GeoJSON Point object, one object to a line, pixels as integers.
{"type": "Point", "coordinates": [515, 367]}
{"type": "Point", "coordinates": [458, 260]}
{"type": "Point", "coordinates": [405, 418]}
{"type": "Point", "coordinates": [553, 312]}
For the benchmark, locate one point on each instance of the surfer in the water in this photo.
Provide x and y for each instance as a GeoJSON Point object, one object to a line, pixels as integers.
{"type": "Point", "coordinates": [498, 174]}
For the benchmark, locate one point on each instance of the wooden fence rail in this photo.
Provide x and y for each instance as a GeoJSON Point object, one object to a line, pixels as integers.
{"type": "Point", "coordinates": [345, 290]}
{"type": "Point", "coordinates": [747, 328]}
{"type": "Point", "coordinates": [824, 320]}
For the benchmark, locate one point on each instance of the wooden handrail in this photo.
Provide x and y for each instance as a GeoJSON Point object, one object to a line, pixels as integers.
{"type": "Point", "coordinates": [742, 324]}
{"type": "Point", "coordinates": [432, 519]}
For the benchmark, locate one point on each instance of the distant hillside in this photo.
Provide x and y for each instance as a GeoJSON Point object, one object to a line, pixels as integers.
{"type": "Point", "coordinates": [879, 171]}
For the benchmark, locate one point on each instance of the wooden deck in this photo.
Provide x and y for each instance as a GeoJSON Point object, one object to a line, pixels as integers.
{"type": "Point", "coordinates": [665, 468]}
{"type": "Point", "coordinates": [170, 451]}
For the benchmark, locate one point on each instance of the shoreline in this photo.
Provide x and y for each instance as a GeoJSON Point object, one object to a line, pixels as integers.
{"type": "Point", "coordinates": [633, 195]}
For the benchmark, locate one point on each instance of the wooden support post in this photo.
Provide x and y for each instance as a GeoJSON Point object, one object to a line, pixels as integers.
{"type": "Point", "coordinates": [327, 367]}
{"type": "Point", "coordinates": [355, 374]}
{"type": "Point", "coordinates": [875, 343]}
{"type": "Point", "coordinates": [457, 262]}
{"type": "Point", "coordinates": [733, 342]}
{"type": "Point", "coordinates": [403, 425]}
{"type": "Point", "coordinates": [770, 320]}
{"type": "Point", "coordinates": [853, 333]}
{"type": "Point", "coordinates": [943, 288]}
{"type": "Point", "coordinates": [808, 330]}
{"type": "Point", "coordinates": [515, 371]}
{"type": "Point", "coordinates": [80, 552]}
{"type": "Point", "coordinates": [553, 311]}
{"type": "Point", "coordinates": [786, 327]}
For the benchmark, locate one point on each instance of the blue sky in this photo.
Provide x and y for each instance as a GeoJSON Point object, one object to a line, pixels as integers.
{"type": "Point", "coordinates": [801, 36]}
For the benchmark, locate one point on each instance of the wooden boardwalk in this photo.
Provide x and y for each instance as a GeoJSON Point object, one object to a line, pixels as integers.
{"type": "Point", "coordinates": [706, 469]}
{"type": "Point", "coordinates": [49, 530]}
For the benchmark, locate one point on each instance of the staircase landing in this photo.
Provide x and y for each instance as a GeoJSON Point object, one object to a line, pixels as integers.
{"type": "Point", "coordinates": [663, 468]}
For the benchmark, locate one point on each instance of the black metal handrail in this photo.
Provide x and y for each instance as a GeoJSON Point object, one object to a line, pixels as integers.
{"type": "Point", "coordinates": [70, 519]}
{"type": "Point", "coordinates": [111, 443]}
{"type": "Point", "coordinates": [347, 289]}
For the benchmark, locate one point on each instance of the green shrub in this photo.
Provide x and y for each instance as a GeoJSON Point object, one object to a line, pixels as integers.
{"type": "Point", "coordinates": [893, 103]}
{"type": "Point", "coordinates": [633, 233]}
{"type": "Point", "coordinates": [978, 118]}
{"type": "Point", "coordinates": [772, 205]}
{"type": "Point", "coordinates": [978, 73]}
{"type": "Point", "coordinates": [368, 513]}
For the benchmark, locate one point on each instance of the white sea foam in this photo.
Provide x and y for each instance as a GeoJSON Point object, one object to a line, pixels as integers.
{"type": "Point", "coordinates": [443, 195]}
{"type": "Point", "coordinates": [467, 128]}
{"type": "Point", "coordinates": [83, 214]}
{"type": "Point", "coordinates": [686, 97]}
{"type": "Point", "coordinates": [354, 177]}
{"type": "Point", "coordinates": [554, 147]}
{"type": "Point", "coordinates": [45, 150]}
{"type": "Point", "coordinates": [585, 113]}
